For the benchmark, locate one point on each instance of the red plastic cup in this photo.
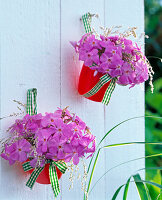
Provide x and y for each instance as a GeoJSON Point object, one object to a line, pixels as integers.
{"type": "Point", "coordinates": [87, 81]}
{"type": "Point", "coordinates": [43, 177]}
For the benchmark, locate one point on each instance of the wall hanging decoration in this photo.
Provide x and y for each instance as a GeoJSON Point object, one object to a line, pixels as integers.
{"type": "Point", "coordinates": [44, 144]}
{"type": "Point", "coordinates": [109, 58]}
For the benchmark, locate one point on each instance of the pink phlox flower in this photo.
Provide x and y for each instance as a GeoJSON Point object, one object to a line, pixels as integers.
{"type": "Point", "coordinates": [57, 146]}
{"type": "Point", "coordinates": [86, 140]}
{"type": "Point", "coordinates": [43, 136]}
{"type": "Point", "coordinates": [113, 50]}
{"type": "Point", "coordinates": [90, 57]}
{"type": "Point", "coordinates": [75, 140]}
{"type": "Point", "coordinates": [22, 150]}
{"type": "Point", "coordinates": [38, 118]}
{"type": "Point", "coordinates": [30, 127]}
{"type": "Point", "coordinates": [116, 66]}
{"type": "Point", "coordinates": [62, 129]}
{"type": "Point", "coordinates": [73, 152]}
{"type": "Point", "coordinates": [84, 39]}
{"type": "Point", "coordinates": [75, 129]}
{"type": "Point", "coordinates": [17, 127]}
{"type": "Point", "coordinates": [106, 62]}
{"type": "Point", "coordinates": [9, 150]}
{"type": "Point", "coordinates": [58, 136]}
{"type": "Point", "coordinates": [91, 43]}
{"type": "Point", "coordinates": [52, 154]}
{"type": "Point", "coordinates": [80, 123]}
{"type": "Point", "coordinates": [127, 76]}
{"type": "Point", "coordinates": [48, 120]}
{"type": "Point", "coordinates": [106, 42]}
{"type": "Point", "coordinates": [141, 72]}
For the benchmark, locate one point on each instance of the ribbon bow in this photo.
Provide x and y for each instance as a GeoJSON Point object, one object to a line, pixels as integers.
{"type": "Point", "coordinates": [61, 165]}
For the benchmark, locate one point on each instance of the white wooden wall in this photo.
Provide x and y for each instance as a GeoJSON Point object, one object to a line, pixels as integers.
{"type": "Point", "coordinates": [35, 52]}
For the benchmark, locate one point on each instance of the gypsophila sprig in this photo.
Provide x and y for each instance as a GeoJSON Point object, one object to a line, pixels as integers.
{"type": "Point", "coordinates": [55, 136]}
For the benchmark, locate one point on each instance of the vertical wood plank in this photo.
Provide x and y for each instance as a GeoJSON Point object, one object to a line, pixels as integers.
{"type": "Point", "coordinates": [30, 57]}
{"type": "Point", "coordinates": [91, 112]}
{"type": "Point", "coordinates": [125, 103]}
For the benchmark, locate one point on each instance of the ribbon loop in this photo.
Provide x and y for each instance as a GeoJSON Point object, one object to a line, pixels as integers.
{"type": "Point", "coordinates": [34, 176]}
{"type": "Point", "coordinates": [87, 19]}
{"type": "Point", "coordinates": [26, 166]}
{"type": "Point", "coordinates": [31, 107]}
{"type": "Point", "coordinates": [61, 165]}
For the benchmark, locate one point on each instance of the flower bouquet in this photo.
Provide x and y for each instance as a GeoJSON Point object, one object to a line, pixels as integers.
{"type": "Point", "coordinates": [109, 59]}
{"type": "Point", "coordinates": [44, 144]}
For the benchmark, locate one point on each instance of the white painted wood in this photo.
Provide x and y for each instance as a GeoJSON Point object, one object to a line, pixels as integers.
{"type": "Point", "coordinates": [125, 103]}
{"type": "Point", "coordinates": [30, 57]}
{"type": "Point", "coordinates": [91, 112]}
{"type": "Point", "coordinates": [35, 52]}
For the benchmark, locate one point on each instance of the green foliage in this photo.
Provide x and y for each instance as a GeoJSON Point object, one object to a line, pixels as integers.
{"type": "Point", "coordinates": [153, 47]}
{"type": "Point", "coordinates": [126, 189]}
{"type": "Point", "coordinates": [154, 101]}
{"type": "Point", "coordinates": [153, 28]}
{"type": "Point", "coordinates": [142, 188]}
{"type": "Point", "coordinates": [95, 157]}
{"type": "Point", "coordinates": [154, 133]}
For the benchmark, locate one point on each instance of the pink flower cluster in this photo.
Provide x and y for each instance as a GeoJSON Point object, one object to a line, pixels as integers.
{"type": "Point", "coordinates": [56, 136]}
{"type": "Point", "coordinates": [114, 55]}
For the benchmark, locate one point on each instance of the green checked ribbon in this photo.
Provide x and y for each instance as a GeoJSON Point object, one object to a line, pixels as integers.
{"type": "Point", "coordinates": [87, 18]}
{"type": "Point", "coordinates": [109, 92]}
{"type": "Point", "coordinates": [31, 107]}
{"type": "Point", "coordinates": [103, 80]}
{"type": "Point", "coordinates": [61, 165]}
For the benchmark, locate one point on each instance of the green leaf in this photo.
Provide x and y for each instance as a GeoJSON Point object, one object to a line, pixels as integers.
{"type": "Point", "coordinates": [117, 192]}
{"type": "Point", "coordinates": [126, 189]}
{"type": "Point", "coordinates": [146, 157]}
{"type": "Point", "coordinates": [150, 168]}
{"type": "Point", "coordinates": [143, 191]}
{"type": "Point", "coordinates": [154, 176]}
{"type": "Point", "coordinates": [113, 129]}
{"type": "Point", "coordinates": [141, 188]}
{"type": "Point", "coordinates": [95, 162]}
{"type": "Point", "coordinates": [90, 179]}
{"type": "Point", "coordinates": [113, 145]}
{"type": "Point", "coordinates": [130, 143]}
{"type": "Point", "coordinates": [159, 196]}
